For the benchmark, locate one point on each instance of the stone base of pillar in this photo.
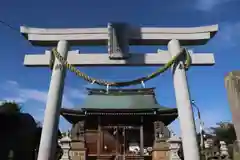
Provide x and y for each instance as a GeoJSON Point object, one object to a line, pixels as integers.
{"type": "Point", "coordinates": [236, 150]}
{"type": "Point", "coordinates": [105, 157]}
{"type": "Point", "coordinates": [160, 155]}
{"type": "Point", "coordinates": [134, 158]}
{"type": "Point", "coordinates": [78, 150]}
{"type": "Point", "coordinates": [160, 151]}
{"type": "Point", "coordinates": [127, 157]}
{"type": "Point", "coordinates": [78, 154]}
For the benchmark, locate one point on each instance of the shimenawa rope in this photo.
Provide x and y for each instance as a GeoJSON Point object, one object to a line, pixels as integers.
{"type": "Point", "coordinates": [123, 83]}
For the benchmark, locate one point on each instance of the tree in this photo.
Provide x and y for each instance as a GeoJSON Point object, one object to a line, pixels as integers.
{"type": "Point", "coordinates": [64, 134]}
{"type": "Point", "coordinates": [10, 108]}
{"type": "Point", "coordinates": [12, 122]}
{"type": "Point", "coordinates": [224, 132]}
{"type": "Point", "coordinates": [16, 127]}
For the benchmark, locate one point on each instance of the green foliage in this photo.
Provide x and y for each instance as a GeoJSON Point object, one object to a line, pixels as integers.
{"type": "Point", "coordinates": [64, 134]}
{"type": "Point", "coordinates": [10, 108]}
{"type": "Point", "coordinates": [224, 132]}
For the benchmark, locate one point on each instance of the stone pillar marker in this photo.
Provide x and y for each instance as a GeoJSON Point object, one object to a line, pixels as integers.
{"type": "Point", "coordinates": [232, 84]}
{"type": "Point", "coordinates": [185, 112]}
{"type": "Point", "coordinates": [54, 102]}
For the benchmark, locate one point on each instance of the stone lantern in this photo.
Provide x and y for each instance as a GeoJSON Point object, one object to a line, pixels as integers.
{"type": "Point", "coordinates": [223, 149]}
{"type": "Point", "coordinates": [208, 143]}
{"type": "Point", "coordinates": [65, 143]}
{"type": "Point", "coordinates": [174, 146]}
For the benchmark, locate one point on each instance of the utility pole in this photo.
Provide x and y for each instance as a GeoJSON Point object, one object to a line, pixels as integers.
{"type": "Point", "coordinates": [201, 125]}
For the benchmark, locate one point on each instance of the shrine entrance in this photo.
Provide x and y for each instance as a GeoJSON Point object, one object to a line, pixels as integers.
{"type": "Point", "coordinates": [121, 140]}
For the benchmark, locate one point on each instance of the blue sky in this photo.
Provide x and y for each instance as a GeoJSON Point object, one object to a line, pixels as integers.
{"type": "Point", "coordinates": [29, 86]}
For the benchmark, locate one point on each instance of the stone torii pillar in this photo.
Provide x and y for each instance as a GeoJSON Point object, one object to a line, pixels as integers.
{"type": "Point", "coordinates": [118, 56]}
{"type": "Point", "coordinates": [54, 102]}
{"type": "Point", "coordinates": [183, 100]}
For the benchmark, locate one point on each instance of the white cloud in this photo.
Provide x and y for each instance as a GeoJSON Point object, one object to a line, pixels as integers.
{"type": "Point", "coordinates": [22, 94]}
{"type": "Point", "coordinates": [228, 34]}
{"type": "Point", "coordinates": [10, 82]}
{"type": "Point", "coordinates": [32, 94]}
{"type": "Point", "coordinates": [208, 5]}
{"type": "Point", "coordinates": [14, 92]}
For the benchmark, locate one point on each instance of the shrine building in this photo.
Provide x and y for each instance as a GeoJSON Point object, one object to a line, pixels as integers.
{"type": "Point", "coordinates": [120, 124]}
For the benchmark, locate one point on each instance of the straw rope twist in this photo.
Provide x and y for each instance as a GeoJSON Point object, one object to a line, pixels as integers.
{"type": "Point", "coordinates": [140, 80]}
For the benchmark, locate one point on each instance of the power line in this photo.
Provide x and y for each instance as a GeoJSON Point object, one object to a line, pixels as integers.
{"type": "Point", "coordinates": [8, 25]}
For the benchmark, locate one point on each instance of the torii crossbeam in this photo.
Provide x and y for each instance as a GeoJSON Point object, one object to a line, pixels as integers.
{"type": "Point", "coordinates": [118, 55]}
{"type": "Point", "coordinates": [97, 59]}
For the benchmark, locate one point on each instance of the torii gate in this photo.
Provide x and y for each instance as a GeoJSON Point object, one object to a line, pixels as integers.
{"type": "Point", "coordinates": [118, 37]}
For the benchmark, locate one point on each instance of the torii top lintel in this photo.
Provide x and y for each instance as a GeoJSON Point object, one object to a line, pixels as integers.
{"type": "Point", "coordinates": [136, 36]}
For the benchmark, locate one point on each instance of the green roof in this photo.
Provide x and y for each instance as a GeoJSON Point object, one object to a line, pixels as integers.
{"type": "Point", "coordinates": [121, 102]}
{"type": "Point", "coordinates": [121, 99]}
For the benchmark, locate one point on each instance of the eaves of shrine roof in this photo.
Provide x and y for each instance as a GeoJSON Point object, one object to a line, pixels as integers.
{"type": "Point", "coordinates": [120, 102]}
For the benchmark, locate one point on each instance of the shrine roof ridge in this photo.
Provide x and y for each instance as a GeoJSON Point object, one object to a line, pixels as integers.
{"type": "Point", "coordinates": [132, 91]}
{"type": "Point", "coordinates": [162, 109]}
{"type": "Point", "coordinates": [137, 35]}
